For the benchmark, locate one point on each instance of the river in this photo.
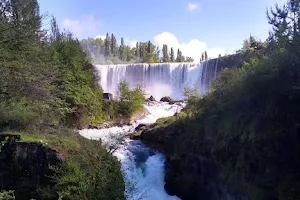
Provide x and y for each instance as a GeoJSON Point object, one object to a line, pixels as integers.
{"type": "Point", "coordinates": [142, 167]}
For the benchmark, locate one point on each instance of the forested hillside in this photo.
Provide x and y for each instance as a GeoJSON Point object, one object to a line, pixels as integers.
{"type": "Point", "coordinates": [48, 88]}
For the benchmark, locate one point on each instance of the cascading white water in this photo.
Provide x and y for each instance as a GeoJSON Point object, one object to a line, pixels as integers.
{"type": "Point", "coordinates": [158, 80]}
{"type": "Point", "coordinates": [143, 167]}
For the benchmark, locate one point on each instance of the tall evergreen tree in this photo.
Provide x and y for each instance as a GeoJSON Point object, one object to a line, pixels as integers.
{"type": "Point", "coordinates": [205, 55]}
{"type": "Point", "coordinates": [172, 57]}
{"type": "Point", "coordinates": [137, 49]}
{"type": "Point", "coordinates": [20, 23]}
{"type": "Point", "coordinates": [202, 57]}
{"type": "Point", "coordinates": [179, 56]}
{"type": "Point", "coordinates": [121, 50]}
{"type": "Point", "coordinates": [141, 50]}
{"type": "Point", "coordinates": [107, 45]}
{"type": "Point", "coordinates": [165, 53]}
{"type": "Point", "coordinates": [149, 47]}
{"type": "Point", "coordinates": [113, 44]}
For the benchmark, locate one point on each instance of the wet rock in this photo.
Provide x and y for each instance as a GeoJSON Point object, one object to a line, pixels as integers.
{"type": "Point", "coordinates": [141, 127]}
{"type": "Point", "coordinates": [166, 99]}
{"type": "Point", "coordinates": [151, 98]}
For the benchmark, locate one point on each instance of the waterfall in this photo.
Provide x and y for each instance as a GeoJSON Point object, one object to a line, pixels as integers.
{"type": "Point", "coordinates": [161, 79]}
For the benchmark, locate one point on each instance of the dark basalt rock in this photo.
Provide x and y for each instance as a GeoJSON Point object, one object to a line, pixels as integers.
{"type": "Point", "coordinates": [166, 99]}
{"type": "Point", "coordinates": [141, 127]}
{"type": "Point", "coordinates": [26, 166]}
{"type": "Point", "coordinates": [151, 98]}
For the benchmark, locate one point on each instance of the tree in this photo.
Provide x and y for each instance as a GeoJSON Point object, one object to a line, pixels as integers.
{"type": "Point", "coordinates": [149, 47]}
{"type": "Point", "coordinates": [165, 53]}
{"type": "Point", "coordinates": [179, 56]}
{"type": "Point", "coordinates": [20, 23]}
{"type": "Point", "coordinates": [131, 101]}
{"type": "Point", "coordinates": [141, 50]}
{"type": "Point", "coordinates": [55, 34]}
{"type": "Point", "coordinates": [113, 44]}
{"type": "Point", "coordinates": [137, 49]}
{"type": "Point", "coordinates": [205, 55]}
{"type": "Point", "coordinates": [202, 57]}
{"type": "Point", "coordinates": [121, 50]}
{"type": "Point", "coordinates": [107, 44]}
{"type": "Point", "coordinates": [172, 57]}
{"type": "Point", "coordinates": [189, 59]}
{"type": "Point", "coordinates": [285, 23]}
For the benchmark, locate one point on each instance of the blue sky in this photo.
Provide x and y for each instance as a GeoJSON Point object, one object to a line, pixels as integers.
{"type": "Point", "coordinates": [218, 26]}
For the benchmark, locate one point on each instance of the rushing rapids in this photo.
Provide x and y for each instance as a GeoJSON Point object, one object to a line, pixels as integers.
{"type": "Point", "coordinates": [162, 79]}
{"type": "Point", "coordinates": [143, 167]}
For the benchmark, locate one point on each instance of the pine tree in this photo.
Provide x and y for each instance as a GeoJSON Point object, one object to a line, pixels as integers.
{"type": "Point", "coordinates": [202, 57]}
{"type": "Point", "coordinates": [179, 56]}
{"type": "Point", "coordinates": [20, 23]}
{"type": "Point", "coordinates": [149, 47]}
{"type": "Point", "coordinates": [141, 50]}
{"type": "Point", "coordinates": [121, 50]}
{"type": "Point", "coordinates": [107, 46]}
{"type": "Point", "coordinates": [113, 44]}
{"type": "Point", "coordinates": [165, 53]}
{"type": "Point", "coordinates": [137, 50]}
{"type": "Point", "coordinates": [172, 55]}
{"type": "Point", "coordinates": [205, 55]}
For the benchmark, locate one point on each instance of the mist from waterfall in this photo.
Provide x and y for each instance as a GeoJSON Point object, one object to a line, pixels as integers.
{"type": "Point", "coordinates": [161, 79]}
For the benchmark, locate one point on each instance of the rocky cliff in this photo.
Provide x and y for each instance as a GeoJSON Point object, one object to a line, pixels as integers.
{"type": "Point", "coordinates": [25, 166]}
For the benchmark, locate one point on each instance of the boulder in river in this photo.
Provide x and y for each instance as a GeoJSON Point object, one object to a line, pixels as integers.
{"type": "Point", "coordinates": [166, 99]}
{"type": "Point", "coordinates": [151, 98]}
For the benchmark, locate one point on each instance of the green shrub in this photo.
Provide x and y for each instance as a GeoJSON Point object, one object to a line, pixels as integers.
{"type": "Point", "coordinates": [130, 101]}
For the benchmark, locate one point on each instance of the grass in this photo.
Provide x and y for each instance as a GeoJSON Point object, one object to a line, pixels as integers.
{"type": "Point", "coordinates": [61, 140]}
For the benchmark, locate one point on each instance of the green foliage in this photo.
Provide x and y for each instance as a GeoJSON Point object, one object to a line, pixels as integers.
{"type": "Point", "coordinates": [91, 174]}
{"type": "Point", "coordinates": [47, 84]}
{"type": "Point", "coordinates": [172, 56]}
{"type": "Point", "coordinates": [7, 195]}
{"type": "Point", "coordinates": [130, 101]}
{"type": "Point", "coordinates": [193, 97]}
{"type": "Point", "coordinates": [166, 54]}
{"type": "Point", "coordinates": [77, 83]}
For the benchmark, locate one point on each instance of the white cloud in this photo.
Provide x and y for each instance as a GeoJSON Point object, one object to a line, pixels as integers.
{"type": "Point", "coordinates": [82, 27]}
{"type": "Point", "coordinates": [193, 48]}
{"type": "Point", "coordinates": [101, 37]}
{"type": "Point", "coordinates": [192, 7]}
{"type": "Point", "coordinates": [131, 43]}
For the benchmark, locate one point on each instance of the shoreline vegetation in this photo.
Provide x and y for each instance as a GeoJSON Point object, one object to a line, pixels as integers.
{"type": "Point", "coordinates": [246, 129]}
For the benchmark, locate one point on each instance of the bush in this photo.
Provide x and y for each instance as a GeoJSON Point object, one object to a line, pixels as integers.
{"type": "Point", "coordinates": [130, 101]}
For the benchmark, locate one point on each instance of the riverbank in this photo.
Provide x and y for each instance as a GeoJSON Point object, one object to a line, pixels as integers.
{"type": "Point", "coordinates": [58, 163]}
